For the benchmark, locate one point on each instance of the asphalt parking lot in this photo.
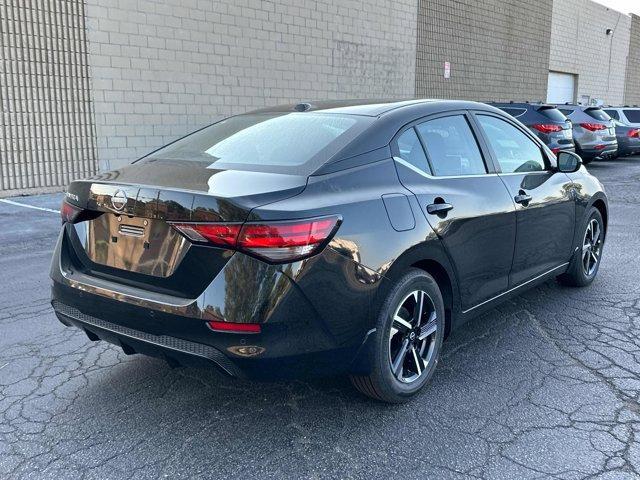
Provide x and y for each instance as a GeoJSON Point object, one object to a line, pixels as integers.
{"type": "Point", "coordinates": [545, 386]}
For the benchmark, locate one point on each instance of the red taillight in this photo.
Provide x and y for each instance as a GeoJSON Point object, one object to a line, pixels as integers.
{"type": "Point", "coordinates": [594, 127]}
{"type": "Point", "coordinates": [547, 128]}
{"type": "Point", "coordinates": [274, 241]}
{"type": "Point", "coordinates": [599, 147]}
{"type": "Point", "coordinates": [634, 133]}
{"type": "Point", "coordinates": [69, 213]}
{"type": "Point", "coordinates": [222, 234]}
{"type": "Point", "coordinates": [234, 327]}
{"type": "Point", "coordinates": [555, 150]}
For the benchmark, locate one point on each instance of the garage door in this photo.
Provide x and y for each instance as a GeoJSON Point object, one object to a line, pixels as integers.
{"type": "Point", "coordinates": [561, 88]}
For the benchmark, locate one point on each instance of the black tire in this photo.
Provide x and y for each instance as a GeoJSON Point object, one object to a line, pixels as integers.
{"type": "Point", "coordinates": [382, 384]}
{"type": "Point", "coordinates": [578, 274]}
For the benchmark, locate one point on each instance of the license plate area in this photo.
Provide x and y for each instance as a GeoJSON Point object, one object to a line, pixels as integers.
{"type": "Point", "coordinates": [140, 245]}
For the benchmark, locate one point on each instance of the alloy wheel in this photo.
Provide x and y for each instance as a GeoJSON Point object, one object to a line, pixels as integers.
{"type": "Point", "coordinates": [591, 247]}
{"type": "Point", "coordinates": [412, 338]}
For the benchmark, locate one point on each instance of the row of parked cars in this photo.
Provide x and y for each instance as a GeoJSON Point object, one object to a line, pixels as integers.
{"type": "Point", "coordinates": [590, 131]}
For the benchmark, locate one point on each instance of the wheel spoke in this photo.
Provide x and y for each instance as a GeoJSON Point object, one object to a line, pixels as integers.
{"type": "Point", "coordinates": [428, 328]}
{"type": "Point", "coordinates": [398, 362]}
{"type": "Point", "coordinates": [417, 312]}
{"type": "Point", "coordinates": [417, 361]}
{"type": "Point", "coordinates": [596, 233]}
{"type": "Point", "coordinates": [401, 324]}
{"type": "Point", "coordinates": [594, 256]}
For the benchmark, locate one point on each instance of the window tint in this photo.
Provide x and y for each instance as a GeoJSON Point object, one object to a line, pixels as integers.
{"type": "Point", "coordinates": [272, 142]}
{"type": "Point", "coordinates": [514, 112]}
{"type": "Point", "coordinates": [613, 114]}
{"type": "Point", "coordinates": [451, 146]}
{"type": "Point", "coordinates": [411, 150]}
{"type": "Point", "coordinates": [632, 115]}
{"type": "Point", "coordinates": [514, 151]}
{"type": "Point", "coordinates": [565, 111]}
{"type": "Point", "coordinates": [597, 113]}
{"type": "Point", "coordinates": [553, 114]}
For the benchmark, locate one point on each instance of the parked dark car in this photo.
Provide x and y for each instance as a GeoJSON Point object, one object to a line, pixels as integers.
{"type": "Point", "coordinates": [546, 121]}
{"type": "Point", "coordinates": [593, 132]}
{"type": "Point", "coordinates": [324, 238]}
{"type": "Point", "coordinates": [628, 139]}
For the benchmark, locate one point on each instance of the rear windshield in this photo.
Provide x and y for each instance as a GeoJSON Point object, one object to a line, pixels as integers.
{"type": "Point", "coordinates": [598, 114]}
{"type": "Point", "coordinates": [295, 143]}
{"type": "Point", "coordinates": [632, 115]}
{"type": "Point", "coordinates": [613, 114]}
{"type": "Point", "coordinates": [552, 114]}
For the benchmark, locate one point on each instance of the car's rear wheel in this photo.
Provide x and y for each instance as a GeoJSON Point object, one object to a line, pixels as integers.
{"type": "Point", "coordinates": [408, 340]}
{"type": "Point", "coordinates": [586, 259]}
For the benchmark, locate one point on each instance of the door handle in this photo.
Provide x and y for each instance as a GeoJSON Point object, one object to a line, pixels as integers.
{"type": "Point", "coordinates": [522, 198]}
{"type": "Point", "coordinates": [439, 208]}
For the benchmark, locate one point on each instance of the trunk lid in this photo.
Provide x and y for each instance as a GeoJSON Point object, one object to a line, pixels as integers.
{"type": "Point", "coordinates": [129, 237]}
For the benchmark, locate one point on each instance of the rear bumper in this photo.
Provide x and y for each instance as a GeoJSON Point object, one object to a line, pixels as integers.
{"type": "Point", "coordinates": [313, 319]}
{"type": "Point", "coordinates": [609, 151]}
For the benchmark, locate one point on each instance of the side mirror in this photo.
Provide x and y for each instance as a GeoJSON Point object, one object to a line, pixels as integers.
{"type": "Point", "coordinates": [568, 162]}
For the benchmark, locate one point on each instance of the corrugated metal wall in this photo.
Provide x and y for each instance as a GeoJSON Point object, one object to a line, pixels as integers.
{"type": "Point", "coordinates": [46, 127]}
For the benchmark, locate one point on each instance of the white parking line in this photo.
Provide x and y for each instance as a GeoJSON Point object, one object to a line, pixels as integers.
{"type": "Point", "coordinates": [44, 209]}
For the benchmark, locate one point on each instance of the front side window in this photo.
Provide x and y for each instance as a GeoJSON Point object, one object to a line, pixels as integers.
{"type": "Point", "coordinates": [411, 150]}
{"type": "Point", "coordinates": [514, 151]}
{"type": "Point", "coordinates": [451, 146]}
{"type": "Point", "coordinates": [632, 115]}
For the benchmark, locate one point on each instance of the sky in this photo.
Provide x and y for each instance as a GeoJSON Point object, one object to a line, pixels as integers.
{"type": "Point", "coordinates": [625, 6]}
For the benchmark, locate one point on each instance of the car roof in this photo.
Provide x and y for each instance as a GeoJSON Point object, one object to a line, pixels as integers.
{"type": "Point", "coordinates": [370, 107]}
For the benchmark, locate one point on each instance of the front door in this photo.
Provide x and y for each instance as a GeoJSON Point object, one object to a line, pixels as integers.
{"type": "Point", "coordinates": [543, 198]}
{"type": "Point", "coordinates": [466, 204]}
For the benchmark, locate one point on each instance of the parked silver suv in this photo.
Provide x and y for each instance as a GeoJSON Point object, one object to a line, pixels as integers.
{"type": "Point", "coordinates": [630, 116]}
{"type": "Point", "coordinates": [594, 132]}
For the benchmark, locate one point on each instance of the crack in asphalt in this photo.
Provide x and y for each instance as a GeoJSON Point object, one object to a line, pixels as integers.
{"type": "Point", "coordinates": [547, 385]}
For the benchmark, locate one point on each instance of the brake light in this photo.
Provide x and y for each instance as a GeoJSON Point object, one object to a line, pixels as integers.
{"type": "Point", "coordinates": [599, 147]}
{"type": "Point", "coordinates": [556, 150]}
{"type": "Point", "coordinates": [276, 242]}
{"type": "Point", "coordinates": [547, 128]}
{"type": "Point", "coordinates": [634, 133]}
{"type": "Point", "coordinates": [594, 127]}
{"type": "Point", "coordinates": [69, 213]}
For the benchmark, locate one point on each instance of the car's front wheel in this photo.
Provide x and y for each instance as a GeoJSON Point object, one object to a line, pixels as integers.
{"type": "Point", "coordinates": [408, 340]}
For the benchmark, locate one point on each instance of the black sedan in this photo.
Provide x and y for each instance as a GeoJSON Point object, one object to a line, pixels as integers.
{"type": "Point", "coordinates": [328, 238]}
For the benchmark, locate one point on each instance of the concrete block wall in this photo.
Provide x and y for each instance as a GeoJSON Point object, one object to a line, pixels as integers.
{"type": "Point", "coordinates": [46, 131]}
{"type": "Point", "coordinates": [498, 49]}
{"type": "Point", "coordinates": [160, 69]}
{"type": "Point", "coordinates": [632, 82]}
{"type": "Point", "coordinates": [579, 45]}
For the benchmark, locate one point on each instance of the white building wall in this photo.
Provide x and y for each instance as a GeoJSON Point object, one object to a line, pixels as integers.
{"type": "Point", "coordinates": [580, 45]}
{"type": "Point", "coordinates": [160, 69]}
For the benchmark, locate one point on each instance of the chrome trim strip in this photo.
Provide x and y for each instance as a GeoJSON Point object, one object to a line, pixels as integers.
{"type": "Point", "coordinates": [516, 287]}
{"type": "Point", "coordinates": [424, 174]}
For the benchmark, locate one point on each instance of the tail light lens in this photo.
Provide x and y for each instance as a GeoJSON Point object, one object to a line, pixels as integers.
{"type": "Point", "coordinates": [234, 327]}
{"type": "Point", "coordinates": [276, 242]}
{"type": "Point", "coordinates": [547, 128]}
{"type": "Point", "coordinates": [594, 127]}
{"type": "Point", "coordinates": [69, 213]}
{"type": "Point", "coordinates": [634, 133]}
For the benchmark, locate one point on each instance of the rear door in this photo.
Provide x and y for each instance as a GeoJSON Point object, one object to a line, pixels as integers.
{"type": "Point", "coordinates": [543, 198]}
{"type": "Point", "coordinates": [464, 201]}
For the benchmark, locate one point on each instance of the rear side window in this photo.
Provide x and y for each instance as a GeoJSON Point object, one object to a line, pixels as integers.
{"type": "Point", "coordinates": [553, 114]}
{"type": "Point", "coordinates": [452, 148]}
{"type": "Point", "coordinates": [598, 114]}
{"type": "Point", "coordinates": [295, 143]}
{"type": "Point", "coordinates": [411, 150]}
{"type": "Point", "coordinates": [613, 114]}
{"type": "Point", "coordinates": [632, 115]}
{"type": "Point", "coordinates": [515, 151]}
